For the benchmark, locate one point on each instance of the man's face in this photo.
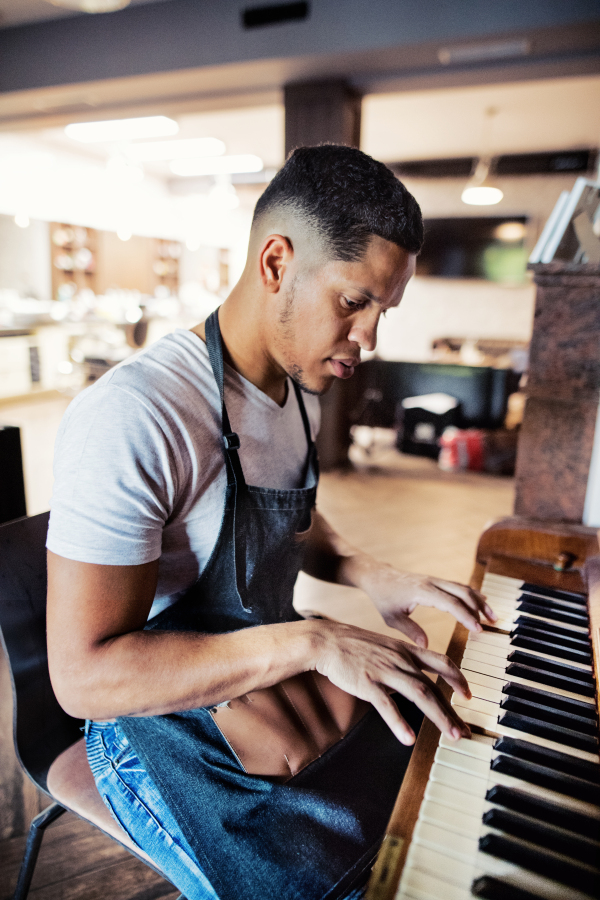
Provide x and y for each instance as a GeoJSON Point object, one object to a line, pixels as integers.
{"type": "Point", "coordinates": [329, 313]}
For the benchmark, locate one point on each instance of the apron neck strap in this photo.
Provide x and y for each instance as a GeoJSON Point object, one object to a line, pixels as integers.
{"type": "Point", "coordinates": [304, 414]}
{"type": "Point", "coordinates": [231, 441]}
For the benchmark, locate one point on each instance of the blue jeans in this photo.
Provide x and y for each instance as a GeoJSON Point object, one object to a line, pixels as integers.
{"type": "Point", "coordinates": [137, 806]}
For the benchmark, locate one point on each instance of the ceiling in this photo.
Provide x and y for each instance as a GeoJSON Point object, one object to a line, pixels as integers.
{"type": "Point", "coordinates": [19, 12]}
{"type": "Point", "coordinates": [533, 116]}
{"type": "Point", "coordinates": [557, 114]}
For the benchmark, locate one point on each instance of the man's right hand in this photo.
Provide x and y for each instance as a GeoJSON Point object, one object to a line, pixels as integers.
{"type": "Point", "coordinates": [371, 666]}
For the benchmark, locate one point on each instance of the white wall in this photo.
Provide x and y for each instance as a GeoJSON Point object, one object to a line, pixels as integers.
{"type": "Point", "coordinates": [25, 258]}
{"type": "Point", "coordinates": [443, 307]}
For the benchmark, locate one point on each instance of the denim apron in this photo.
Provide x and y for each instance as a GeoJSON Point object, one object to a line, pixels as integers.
{"type": "Point", "coordinates": [315, 836]}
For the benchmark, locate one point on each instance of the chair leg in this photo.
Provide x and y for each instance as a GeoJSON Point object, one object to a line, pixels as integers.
{"type": "Point", "coordinates": [34, 842]}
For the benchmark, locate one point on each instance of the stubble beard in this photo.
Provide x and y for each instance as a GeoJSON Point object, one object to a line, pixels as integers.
{"type": "Point", "coordinates": [294, 370]}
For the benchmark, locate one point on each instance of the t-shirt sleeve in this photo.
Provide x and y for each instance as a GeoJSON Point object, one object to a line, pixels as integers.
{"type": "Point", "coordinates": [114, 480]}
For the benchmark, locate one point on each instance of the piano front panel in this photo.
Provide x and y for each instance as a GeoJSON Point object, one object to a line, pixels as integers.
{"type": "Point", "coordinates": [514, 813]}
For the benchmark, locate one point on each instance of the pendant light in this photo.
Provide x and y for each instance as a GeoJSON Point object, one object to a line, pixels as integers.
{"type": "Point", "coordinates": [480, 189]}
{"type": "Point", "coordinates": [91, 6]}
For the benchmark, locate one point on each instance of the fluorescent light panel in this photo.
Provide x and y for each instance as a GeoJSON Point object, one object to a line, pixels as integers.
{"type": "Point", "coordinates": [222, 165]}
{"type": "Point", "coordinates": [122, 129]}
{"type": "Point", "coordinates": [190, 148]}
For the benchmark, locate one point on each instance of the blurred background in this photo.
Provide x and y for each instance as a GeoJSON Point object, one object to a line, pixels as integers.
{"type": "Point", "coordinates": [135, 141]}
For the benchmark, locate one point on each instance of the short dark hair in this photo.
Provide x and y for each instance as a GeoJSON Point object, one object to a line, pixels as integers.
{"type": "Point", "coordinates": [348, 197]}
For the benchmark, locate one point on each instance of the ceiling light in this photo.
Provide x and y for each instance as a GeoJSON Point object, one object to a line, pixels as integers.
{"type": "Point", "coordinates": [188, 148]}
{"type": "Point", "coordinates": [471, 53]}
{"type": "Point", "coordinates": [480, 190]}
{"type": "Point", "coordinates": [91, 6]}
{"type": "Point", "coordinates": [223, 165]}
{"type": "Point", "coordinates": [122, 129]}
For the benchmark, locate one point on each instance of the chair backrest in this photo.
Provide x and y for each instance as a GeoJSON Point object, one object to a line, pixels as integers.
{"type": "Point", "coordinates": [42, 729]}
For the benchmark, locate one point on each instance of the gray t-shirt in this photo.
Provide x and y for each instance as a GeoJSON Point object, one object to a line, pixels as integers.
{"type": "Point", "coordinates": [139, 471]}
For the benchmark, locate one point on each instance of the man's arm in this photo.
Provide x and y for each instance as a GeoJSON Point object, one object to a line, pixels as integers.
{"type": "Point", "coordinates": [395, 594]}
{"type": "Point", "coordinates": [103, 664]}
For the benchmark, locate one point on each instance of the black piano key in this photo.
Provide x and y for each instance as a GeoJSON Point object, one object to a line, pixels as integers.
{"type": "Point", "coordinates": [561, 735]}
{"type": "Point", "coordinates": [552, 603]}
{"type": "Point", "coordinates": [557, 869]}
{"type": "Point", "coordinates": [556, 701]}
{"type": "Point", "coordinates": [544, 810]}
{"type": "Point", "coordinates": [529, 643]}
{"type": "Point", "coordinates": [489, 888]}
{"type": "Point", "coordinates": [533, 629]}
{"type": "Point", "coordinates": [542, 676]}
{"type": "Point", "coordinates": [544, 713]}
{"type": "Point", "coordinates": [548, 612]}
{"type": "Point", "coordinates": [548, 778]}
{"type": "Point", "coordinates": [554, 592]}
{"type": "Point", "coordinates": [550, 665]}
{"type": "Point", "coordinates": [552, 759]}
{"type": "Point", "coordinates": [534, 832]}
{"type": "Point", "coordinates": [553, 627]}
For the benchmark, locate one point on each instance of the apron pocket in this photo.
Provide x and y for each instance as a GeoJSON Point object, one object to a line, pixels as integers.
{"type": "Point", "coordinates": [278, 731]}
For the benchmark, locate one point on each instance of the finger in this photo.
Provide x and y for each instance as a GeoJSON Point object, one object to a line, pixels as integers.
{"type": "Point", "coordinates": [424, 694]}
{"type": "Point", "coordinates": [388, 711]}
{"type": "Point", "coordinates": [450, 603]}
{"type": "Point", "coordinates": [442, 665]}
{"type": "Point", "coordinates": [410, 629]}
{"type": "Point", "coordinates": [475, 600]}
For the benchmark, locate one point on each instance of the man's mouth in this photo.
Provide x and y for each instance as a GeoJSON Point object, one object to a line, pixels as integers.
{"type": "Point", "coordinates": [344, 368]}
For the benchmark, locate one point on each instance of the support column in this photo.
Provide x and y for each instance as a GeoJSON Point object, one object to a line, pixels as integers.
{"type": "Point", "coordinates": [563, 392]}
{"type": "Point", "coordinates": [320, 112]}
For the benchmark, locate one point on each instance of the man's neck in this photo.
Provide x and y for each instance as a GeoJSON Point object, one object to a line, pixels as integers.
{"type": "Point", "coordinates": [245, 346]}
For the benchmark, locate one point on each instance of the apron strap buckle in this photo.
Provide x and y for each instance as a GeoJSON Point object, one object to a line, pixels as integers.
{"type": "Point", "coordinates": [231, 441]}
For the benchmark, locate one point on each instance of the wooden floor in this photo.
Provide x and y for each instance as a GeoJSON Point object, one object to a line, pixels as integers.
{"type": "Point", "coordinates": [402, 509]}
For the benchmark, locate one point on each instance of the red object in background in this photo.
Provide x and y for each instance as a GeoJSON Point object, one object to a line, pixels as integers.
{"type": "Point", "coordinates": [462, 449]}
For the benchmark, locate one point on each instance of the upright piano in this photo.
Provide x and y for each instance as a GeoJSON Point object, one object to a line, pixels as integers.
{"type": "Point", "coordinates": [514, 812]}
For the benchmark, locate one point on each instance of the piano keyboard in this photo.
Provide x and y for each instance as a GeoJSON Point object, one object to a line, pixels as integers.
{"type": "Point", "coordinates": [514, 813]}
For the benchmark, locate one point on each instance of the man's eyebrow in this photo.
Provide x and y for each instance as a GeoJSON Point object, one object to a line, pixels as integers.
{"type": "Point", "coordinates": [370, 295]}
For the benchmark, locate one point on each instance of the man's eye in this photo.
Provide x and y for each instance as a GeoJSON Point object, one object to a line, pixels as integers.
{"type": "Point", "coordinates": [353, 304]}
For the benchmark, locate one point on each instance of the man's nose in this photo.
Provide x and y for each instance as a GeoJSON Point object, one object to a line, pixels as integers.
{"type": "Point", "coordinates": [364, 332]}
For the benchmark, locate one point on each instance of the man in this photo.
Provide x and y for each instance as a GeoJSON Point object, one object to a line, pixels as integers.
{"type": "Point", "coordinates": [183, 510]}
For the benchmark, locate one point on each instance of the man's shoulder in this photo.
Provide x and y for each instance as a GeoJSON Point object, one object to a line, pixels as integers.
{"type": "Point", "coordinates": [170, 382]}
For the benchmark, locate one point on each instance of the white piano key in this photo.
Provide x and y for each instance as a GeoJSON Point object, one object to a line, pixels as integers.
{"type": "Point", "coordinates": [461, 873]}
{"type": "Point", "coordinates": [477, 786]}
{"type": "Point", "coordinates": [418, 885]}
{"type": "Point", "coordinates": [488, 676]}
{"type": "Point", "coordinates": [489, 724]}
{"type": "Point", "coordinates": [445, 795]}
{"type": "Point", "coordinates": [461, 821]}
{"type": "Point", "coordinates": [500, 652]}
{"type": "Point", "coordinates": [516, 597]}
{"type": "Point", "coordinates": [478, 745]}
{"type": "Point", "coordinates": [508, 614]}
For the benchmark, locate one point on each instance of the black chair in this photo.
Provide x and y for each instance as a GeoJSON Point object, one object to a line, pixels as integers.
{"type": "Point", "coordinates": [48, 742]}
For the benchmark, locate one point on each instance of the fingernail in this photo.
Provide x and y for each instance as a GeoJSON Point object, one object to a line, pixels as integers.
{"type": "Point", "coordinates": [468, 694]}
{"type": "Point", "coordinates": [478, 627]}
{"type": "Point", "coordinates": [456, 733]}
{"type": "Point", "coordinates": [409, 737]}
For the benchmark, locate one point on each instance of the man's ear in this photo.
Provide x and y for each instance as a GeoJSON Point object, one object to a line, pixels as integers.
{"type": "Point", "coordinates": [275, 255]}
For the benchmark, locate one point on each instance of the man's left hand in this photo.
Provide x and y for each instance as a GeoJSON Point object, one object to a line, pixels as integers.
{"type": "Point", "coordinates": [397, 594]}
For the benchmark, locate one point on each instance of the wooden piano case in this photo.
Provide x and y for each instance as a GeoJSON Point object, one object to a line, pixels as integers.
{"type": "Point", "coordinates": [556, 555]}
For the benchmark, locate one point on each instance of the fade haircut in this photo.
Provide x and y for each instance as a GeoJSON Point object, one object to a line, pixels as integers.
{"type": "Point", "coordinates": [347, 197]}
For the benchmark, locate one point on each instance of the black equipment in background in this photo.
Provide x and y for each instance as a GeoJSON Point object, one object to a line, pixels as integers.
{"type": "Point", "coordinates": [12, 485]}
